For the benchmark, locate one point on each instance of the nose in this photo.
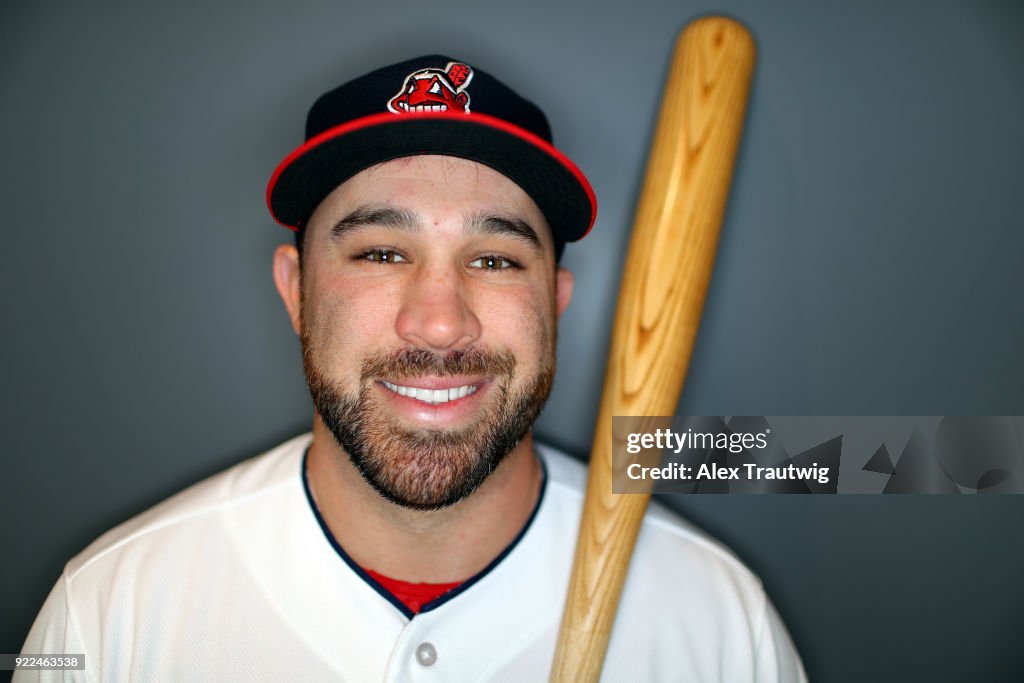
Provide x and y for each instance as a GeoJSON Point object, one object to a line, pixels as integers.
{"type": "Point", "coordinates": [436, 311]}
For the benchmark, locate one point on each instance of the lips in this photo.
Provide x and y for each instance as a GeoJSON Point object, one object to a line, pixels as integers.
{"type": "Point", "coordinates": [422, 107]}
{"type": "Point", "coordinates": [431, 396]}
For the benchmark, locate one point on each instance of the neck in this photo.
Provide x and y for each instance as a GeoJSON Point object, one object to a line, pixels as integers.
{"type": "Point", "coordinates": [435, 546]}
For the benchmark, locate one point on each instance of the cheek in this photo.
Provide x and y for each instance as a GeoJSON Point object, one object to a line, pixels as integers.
{"type": "Point", "coordinates": [522, 321]}
{"type": "Point", "coordinates": [345, 321]}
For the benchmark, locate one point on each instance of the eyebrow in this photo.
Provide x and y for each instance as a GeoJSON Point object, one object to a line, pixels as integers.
{"type": "Point", "coordinates": [493, 224]}
{"type": "Point", "coordinates": [396, 218]}
{"type": "Point", "coordinates": [378, 216]}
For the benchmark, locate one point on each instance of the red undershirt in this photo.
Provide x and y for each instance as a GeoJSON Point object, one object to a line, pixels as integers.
{"type": "Point", "coordinates": [412, 595]}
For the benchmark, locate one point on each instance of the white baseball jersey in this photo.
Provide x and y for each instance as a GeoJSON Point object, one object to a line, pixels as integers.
{"type": "Point", "coordinates": [237, 578]}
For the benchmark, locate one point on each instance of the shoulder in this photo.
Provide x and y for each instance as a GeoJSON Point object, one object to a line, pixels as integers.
{"type": "Point", "coordinates": [664, 531]}
{"type": "Point", "coordinates": [672, 552]}
{"type": "Point", "coordinates": [195, 507]}
{"type": "Point", "coordinates": [688, 604]}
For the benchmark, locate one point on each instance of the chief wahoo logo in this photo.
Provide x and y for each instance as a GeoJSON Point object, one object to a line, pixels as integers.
{"type": "Point", "coordinates": [434, 90]}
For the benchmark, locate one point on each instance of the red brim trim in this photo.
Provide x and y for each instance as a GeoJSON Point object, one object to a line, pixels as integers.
{"type": "Point", "coordinates": [385, 118]}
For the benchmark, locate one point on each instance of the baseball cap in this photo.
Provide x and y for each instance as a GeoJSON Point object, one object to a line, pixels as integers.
{"type": "Point", "coordinates": [431, 105]}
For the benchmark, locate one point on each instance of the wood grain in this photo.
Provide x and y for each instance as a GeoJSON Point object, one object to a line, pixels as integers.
{"type": "Point", "coordinates": [671, 256]}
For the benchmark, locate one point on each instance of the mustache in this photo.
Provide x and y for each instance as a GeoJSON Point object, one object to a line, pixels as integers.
{"type": "Point", "coordinates": [409, 363]}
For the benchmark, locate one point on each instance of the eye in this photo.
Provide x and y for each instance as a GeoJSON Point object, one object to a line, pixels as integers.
{"type": "Point", "coordinates": [435, 89]}
{"type": "Point", "coordinates": [382, 255]}
{"type": "Point", "coordinates": [492, 263]}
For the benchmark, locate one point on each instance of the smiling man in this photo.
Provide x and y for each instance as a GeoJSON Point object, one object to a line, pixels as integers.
{"type": "Point", "coordinates": [426, 301]}
{"type": "Point", "coordinates": [419, 533]}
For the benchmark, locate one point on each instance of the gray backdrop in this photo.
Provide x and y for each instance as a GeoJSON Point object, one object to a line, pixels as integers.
{"type": "Point", "coordinates": [870, 264]}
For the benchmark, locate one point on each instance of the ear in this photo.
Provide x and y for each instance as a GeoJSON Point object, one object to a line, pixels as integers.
{"type": "Point", "coordinates": [563, 290]}
{"type": "Point", "coordinates": [287, 279]}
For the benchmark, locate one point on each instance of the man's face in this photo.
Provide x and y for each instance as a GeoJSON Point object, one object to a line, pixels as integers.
{"type": "Point", "coordinates": [429, 299]}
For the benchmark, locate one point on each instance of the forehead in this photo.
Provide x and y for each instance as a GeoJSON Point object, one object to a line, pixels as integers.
{"type": "Point", "coordinates": [438, 186]}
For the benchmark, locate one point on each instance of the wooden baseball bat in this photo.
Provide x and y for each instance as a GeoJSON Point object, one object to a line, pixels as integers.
{"type": "Point", "coordinates": [671, 255]}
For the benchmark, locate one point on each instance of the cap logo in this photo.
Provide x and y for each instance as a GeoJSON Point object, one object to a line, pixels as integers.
{"type": "Point", "coordinates": [435, 90]}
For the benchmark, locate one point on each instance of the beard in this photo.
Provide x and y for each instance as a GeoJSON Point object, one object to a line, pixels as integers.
{"type": "Point", "coordinates": [428, 469]}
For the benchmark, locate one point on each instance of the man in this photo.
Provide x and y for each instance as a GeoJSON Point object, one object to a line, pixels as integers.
{"type": "Point", "coordinates": [419, 533]}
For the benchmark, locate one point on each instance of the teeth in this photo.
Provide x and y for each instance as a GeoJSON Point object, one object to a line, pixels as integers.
{"type": "Point", "coordinates": [432, 396]}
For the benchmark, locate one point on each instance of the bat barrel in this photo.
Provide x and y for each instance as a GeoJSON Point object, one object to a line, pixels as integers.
{"type": "Point", "coordinates": [668, 267]}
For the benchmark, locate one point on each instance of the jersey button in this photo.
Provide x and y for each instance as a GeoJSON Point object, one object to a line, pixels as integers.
{"type": "Point", "coordinates": [426, 654]}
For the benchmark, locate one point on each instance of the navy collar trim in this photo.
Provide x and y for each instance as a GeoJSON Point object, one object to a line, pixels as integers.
{"type": "Point", "coordinates": [453, 593]}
